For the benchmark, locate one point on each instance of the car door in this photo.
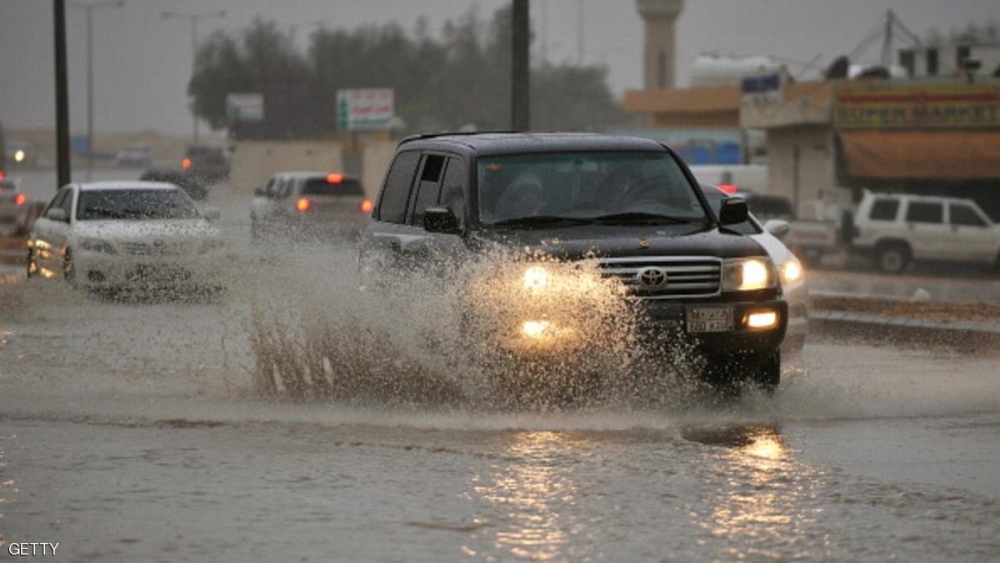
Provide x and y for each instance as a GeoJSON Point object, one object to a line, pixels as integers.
{"type": "Point", "coordinates": [440, 183]}
{"type": "Point", "coordinates": [926, 230]}
{"type": "Point", "coordinates": [970, 237]}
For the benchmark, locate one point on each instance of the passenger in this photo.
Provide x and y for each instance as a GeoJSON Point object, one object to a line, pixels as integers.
{"type": "Point", "coordinates": [522, 198]}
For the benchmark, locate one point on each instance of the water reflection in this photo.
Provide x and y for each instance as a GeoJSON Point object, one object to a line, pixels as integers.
{"type": "Point", "coordinates": [762, 508]}
{"type": "Point", "coordinates": [529, 490]}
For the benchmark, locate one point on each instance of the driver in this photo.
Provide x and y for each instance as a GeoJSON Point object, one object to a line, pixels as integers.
{"type": "Point", "coordinates": [522, 198]}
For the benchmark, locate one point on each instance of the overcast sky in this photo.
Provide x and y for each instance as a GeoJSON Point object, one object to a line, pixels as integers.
{"type": "Point", "coordinates": [142, 62]}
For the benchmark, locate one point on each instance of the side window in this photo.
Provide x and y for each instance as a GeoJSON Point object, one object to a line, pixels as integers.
{"type": "Point", "coordinates": [965, 216]}
{"type": "Point", "coordinates": [396, 192]}
{"type": "Point", "coordinates": [57, 201]}
{"type": "Point", "coordinates": [270, 190]}
{"type": "Point", "coordinates": [453, 189]}
{"type": "Point", "coordinates": [923, 212]}
{"type": "Point", "coordinates": [428, 188]}
{"type": "Point", "coordinates": [284, 188]}
{"type": "Point", "coordinates": [884, 210]}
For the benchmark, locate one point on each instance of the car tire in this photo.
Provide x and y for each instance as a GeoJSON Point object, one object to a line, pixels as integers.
{"type": "Point", "coordinates": [766, 373]}
{"type": "Point", "coordinates": [892, 258]}
{"type": "Point", "coordinates": [69, 267]}
{"type": "Point", "coordinates": [32, 265]}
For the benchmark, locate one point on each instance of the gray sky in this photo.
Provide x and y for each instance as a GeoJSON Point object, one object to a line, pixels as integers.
{"type": "Point", "coordinates": [142, 62]}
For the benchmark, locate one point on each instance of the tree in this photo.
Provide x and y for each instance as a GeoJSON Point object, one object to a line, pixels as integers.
{"type": "Point", "coordinates": [462, 78]}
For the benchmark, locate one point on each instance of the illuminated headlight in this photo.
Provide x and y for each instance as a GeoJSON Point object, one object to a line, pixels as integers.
{"type": "Point", "coordinates": [791, 271]}
{"type": "Point", "coordinates": [98, 245]}
{"type": "Point", "coordinates": [536, 277]}
{"type": "Point", "coordinates": [19, 155]}
{"type": "Point", "coordinates": [748, 274]}
{"type": "Point", "coordinates": [535, 329]}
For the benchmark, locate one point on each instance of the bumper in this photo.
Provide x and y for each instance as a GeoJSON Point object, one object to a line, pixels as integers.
{"type": "Point", "coordinates": [670, 321]}
{"type": "Point", "coordinates": [98, 270]}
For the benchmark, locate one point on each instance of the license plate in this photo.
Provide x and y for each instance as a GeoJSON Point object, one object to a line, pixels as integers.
{"type": "Point", "coordinates": [709, 319]}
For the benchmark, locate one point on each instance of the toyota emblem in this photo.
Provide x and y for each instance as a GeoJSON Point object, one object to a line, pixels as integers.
{"type": "Point", "coordinates": [652, 278]}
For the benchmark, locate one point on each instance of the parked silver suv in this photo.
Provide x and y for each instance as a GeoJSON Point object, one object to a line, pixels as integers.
{"type": "Point", "coordinates": [896, 229]}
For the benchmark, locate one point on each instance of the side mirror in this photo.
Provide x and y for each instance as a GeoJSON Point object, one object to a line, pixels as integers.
{"type": "Point", "coordinates": [57, 214]}
{"type": "Point", "coordinates": [211, 214]}
{"type": "Point", "coordinates": [777, 227]}
{"type": "Point", "coordinates": [441, 220]}
{"type": "Point", "coordinates": [733, 211]}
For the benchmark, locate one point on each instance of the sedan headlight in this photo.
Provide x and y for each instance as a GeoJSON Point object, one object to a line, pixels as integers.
{"type": "Point", "coordinates": [98, 245]}
{"type": "Point", "coordinates": [748, 274]}
{"type": "Point", "coordinates": [791, 271]}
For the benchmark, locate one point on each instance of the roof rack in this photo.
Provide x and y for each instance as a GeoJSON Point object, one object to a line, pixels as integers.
{"type": "Point", "coordinates": [422, 136]}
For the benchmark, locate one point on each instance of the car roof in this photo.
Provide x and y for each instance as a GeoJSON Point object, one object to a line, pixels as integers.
{"type": "Point", "coordinates": [514, 143]}
{"type": "Point", "coordinates": [134, 185]}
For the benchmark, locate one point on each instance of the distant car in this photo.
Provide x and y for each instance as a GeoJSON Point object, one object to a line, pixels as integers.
{"type": "Point", "coordinates": [18, 153]}
{"type": "Point", "coordinates": [310, 203]}
{"type": "Point", "coordinates": [195, 186]}
{"type": "Point", "coordinates": [125, 235]}
{"type": "Point", "coordinates": [207, 163]}
{"type": "Point", "coordinates": [895, 229]}
{"type": "Point", "coordinates": [13, 208]}
{"type": "Point", "coordinates": [137, 156]}
{"type": "Point", "coordinates": [790, 271]}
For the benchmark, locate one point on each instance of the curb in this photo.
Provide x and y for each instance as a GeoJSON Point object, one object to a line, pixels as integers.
{"type": "Point", "coordinates": [957, 334]}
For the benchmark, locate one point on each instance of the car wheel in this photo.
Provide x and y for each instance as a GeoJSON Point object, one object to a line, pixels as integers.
{"type": "Point", "coordinates": [892, 258]}
{"type": "Point", "coordinates": [767, 373]}
{"type": "Point", "coordinates": [69, 267]}
{"type": "Point", "coordinates": [32, 265]}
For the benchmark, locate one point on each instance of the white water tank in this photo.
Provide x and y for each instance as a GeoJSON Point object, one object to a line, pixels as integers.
{"type": "Point", "coordinates": [713, 70]}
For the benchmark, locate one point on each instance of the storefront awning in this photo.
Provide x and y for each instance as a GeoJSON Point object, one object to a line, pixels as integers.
{"type": "Point", "coordinates": [922, 154]}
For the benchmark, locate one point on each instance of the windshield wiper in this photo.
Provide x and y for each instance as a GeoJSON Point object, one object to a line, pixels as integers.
{"type": "Point", "coordinates": [541, 221]}
{"type": "Point", "coordinates": [637, 218]}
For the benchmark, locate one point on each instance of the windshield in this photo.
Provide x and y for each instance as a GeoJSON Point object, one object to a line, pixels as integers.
{"type": "Point", "coordinates": [585, 185]}
{"type": "Point", "coordinates": [101, 205]}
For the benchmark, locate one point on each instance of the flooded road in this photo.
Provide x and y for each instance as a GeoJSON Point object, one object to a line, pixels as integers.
{"type": "Point", "coordinates": [135, 430]}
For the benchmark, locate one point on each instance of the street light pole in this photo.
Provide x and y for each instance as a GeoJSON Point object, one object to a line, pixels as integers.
{"type": "Point", "coordinates": [193, 18]}
{"type": "Point", "coordinates": [90, 73]}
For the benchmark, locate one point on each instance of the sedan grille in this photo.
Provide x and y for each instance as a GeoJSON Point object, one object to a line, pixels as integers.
{"type": "Point", "coordinates": [666, 277]}
{"type": "Point", "coordinates": [156, 248]}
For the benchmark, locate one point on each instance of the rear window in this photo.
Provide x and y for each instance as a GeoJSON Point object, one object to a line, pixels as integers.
{"type": "Point", "coordinates": [884, 210]}
{"type": "Point", "coordinates": [322, 187]}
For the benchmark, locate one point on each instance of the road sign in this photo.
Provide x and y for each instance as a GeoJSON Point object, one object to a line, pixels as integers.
{"type": "Point", "coordinates": [368, 109]}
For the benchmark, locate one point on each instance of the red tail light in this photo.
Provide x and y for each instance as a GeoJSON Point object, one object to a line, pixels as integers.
{"type": "Point", "coordinates": [186, 163]}
{"type": "Point", "coordinates": [303, 204]}
{"type": "Point", "coordinates": [334, 178]}
{"type": "Point", "coordinates": [2, 175]}
{"type": "Point", "coordinates": [367, 206]}
{"type": "Point", "coordinates": [19, 199]}
{"type": "Point", "coordinates": [728, 188]}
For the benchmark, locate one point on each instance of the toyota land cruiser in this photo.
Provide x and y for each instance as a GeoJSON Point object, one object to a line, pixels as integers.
{"type": "Point", "coordinates": [628, 208]}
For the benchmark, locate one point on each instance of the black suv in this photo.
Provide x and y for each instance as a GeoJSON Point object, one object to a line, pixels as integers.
{"type": "Point", "coordinates": [627, 210]}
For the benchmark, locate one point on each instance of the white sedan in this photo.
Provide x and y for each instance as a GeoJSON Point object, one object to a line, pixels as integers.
{"type": "Point", "coordinates": [129, 235]}
{"type": "Point", "coordinates": [793, 283]}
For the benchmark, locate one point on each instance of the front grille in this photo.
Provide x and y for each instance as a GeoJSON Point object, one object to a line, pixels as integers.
{"type": "Point", "coordinates": [686, 277]}
{"type": "Point", "coordinates": [152, 249]}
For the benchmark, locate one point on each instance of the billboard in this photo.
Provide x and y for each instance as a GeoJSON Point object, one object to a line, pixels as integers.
{"type": "Point", "coordinates": [874, 105]}
{"type": "Point", "coordinates": [368, 109]}
{"type": "Point", "coordinates": [244, 107]}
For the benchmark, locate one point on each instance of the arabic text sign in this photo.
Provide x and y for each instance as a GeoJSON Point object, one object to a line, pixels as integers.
{"type": "Point", "coordinates": [886, 106]}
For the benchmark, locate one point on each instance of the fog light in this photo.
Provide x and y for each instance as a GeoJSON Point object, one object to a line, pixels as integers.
{"type": "Point", "coordinates": [765, 319]}
{"type": "Point", "coordinates": [534, 329]}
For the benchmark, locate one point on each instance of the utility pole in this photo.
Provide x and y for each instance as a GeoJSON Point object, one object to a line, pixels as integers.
{"type": "Point", "coordinates": [90, 73]}
{"type": "Point", "coordinates": [520, 68]}
{"type": "Point", "coordinates": [193, 18]}
{"type": "Point", "coordinates": [62, 94]}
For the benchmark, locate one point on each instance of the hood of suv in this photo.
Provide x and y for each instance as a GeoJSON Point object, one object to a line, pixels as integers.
{"type": "Point", "coordinates": [575, 243]}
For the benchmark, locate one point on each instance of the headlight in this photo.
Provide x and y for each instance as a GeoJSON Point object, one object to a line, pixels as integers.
{"type": "Point", "coordinates": [98, 245]}
{"type": "Point", "coordinates": [791, 271]}
{"type": "Point", "coordinates": [748, 274]}
{"type": "Point", "coordinates": [536, 277]}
